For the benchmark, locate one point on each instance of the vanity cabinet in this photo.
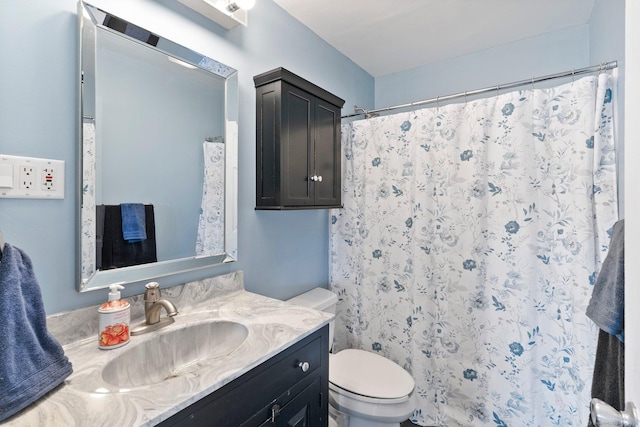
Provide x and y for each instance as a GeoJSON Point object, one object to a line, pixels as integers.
{"type": "Point", "coordinates": [289, 390]}
{"type": "Point", "coordinates": [298, 147]}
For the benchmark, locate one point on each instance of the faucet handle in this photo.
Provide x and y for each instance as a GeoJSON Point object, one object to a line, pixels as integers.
{"type": "Point", "coordinates": [152, 294]}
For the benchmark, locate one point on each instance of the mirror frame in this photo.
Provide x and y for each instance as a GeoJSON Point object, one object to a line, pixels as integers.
{"type": "Point", "coordinates": [172, 271]}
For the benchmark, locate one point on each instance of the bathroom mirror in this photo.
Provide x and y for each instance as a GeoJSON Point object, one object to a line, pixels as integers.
{"type": "Point", "coordinates": [158, 133]}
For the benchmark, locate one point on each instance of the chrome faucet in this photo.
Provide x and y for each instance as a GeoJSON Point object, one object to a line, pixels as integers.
{"type": "Point", "coordinates": [153, 305]}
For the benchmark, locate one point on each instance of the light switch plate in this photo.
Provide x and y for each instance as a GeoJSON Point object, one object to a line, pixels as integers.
{"type": "Point", "coordinates": [6, 175]}
{"type": "Point", "coordinates": [31, 178]}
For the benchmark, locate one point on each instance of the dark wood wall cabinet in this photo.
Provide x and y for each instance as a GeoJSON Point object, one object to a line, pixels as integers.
{"type": "Point", "coordinates": [298, 148]}
{"type": "Point", "coordinates": [289, 390]}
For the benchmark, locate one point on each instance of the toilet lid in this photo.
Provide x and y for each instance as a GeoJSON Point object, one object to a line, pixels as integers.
{"type": "Point", "coordinates": [369, 374]}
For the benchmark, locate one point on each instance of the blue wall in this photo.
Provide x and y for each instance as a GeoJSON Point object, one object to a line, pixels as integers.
{"type": "Point", "coordinates": [520, 60]}
{"type": "Point", "coordinates": [282, 253]}
{"type": "Point", "coordinates": [606, 43]}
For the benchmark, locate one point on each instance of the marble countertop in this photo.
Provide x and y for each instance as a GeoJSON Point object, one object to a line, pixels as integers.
{"type": "Point", "coordinates": [85, 399]}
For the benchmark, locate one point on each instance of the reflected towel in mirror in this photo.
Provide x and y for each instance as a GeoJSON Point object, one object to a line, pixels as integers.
{"type": "Point", "coordinates": [133, 222]}
{"type": "Point", "coordinates": [116, 252]}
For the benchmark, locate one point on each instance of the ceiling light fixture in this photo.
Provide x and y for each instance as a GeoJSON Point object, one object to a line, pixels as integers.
{"type": "Point", "coordinates": [235, 5]}
{"type": "Point", "coordinates": [227, 13]}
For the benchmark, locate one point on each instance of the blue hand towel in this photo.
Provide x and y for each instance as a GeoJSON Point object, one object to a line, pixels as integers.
{"type": "Point", "coordinates": [606, 307]}
{"type": "Point", "coordinates": [32, 362]}
{"type": "Point", "coordinates": [134, 227]}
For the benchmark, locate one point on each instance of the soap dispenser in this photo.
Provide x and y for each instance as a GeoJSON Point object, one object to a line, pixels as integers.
{"type": "Point", "coordinates": [114, 320]}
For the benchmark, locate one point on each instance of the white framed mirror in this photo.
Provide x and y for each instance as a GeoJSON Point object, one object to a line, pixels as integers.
{"type": "Point", "coordinates": [158, 138]}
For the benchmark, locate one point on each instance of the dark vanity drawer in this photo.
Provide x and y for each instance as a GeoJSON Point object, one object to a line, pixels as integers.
{"type": "Point", "coordinates": [278, 381]}
{"type": "Point", "coordinates": [290, 368]}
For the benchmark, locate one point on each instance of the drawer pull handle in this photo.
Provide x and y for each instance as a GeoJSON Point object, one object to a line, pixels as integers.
{"type": "Point", "coordinates": [304, 366]}
{"type": "Point", "coordinates": [275, 411]}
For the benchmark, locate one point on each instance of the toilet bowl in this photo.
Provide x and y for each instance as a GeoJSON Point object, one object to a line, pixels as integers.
{"type": "Point", "coordinates": [370, 389]}
{"type": "Point", "coordinates": [365, 389]}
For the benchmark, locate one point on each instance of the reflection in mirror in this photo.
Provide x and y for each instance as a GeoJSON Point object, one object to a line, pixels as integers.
{"type": "Point", "coordinates": [158, 152]}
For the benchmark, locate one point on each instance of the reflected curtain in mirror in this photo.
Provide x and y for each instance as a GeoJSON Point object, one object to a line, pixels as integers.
{"type": "Point", "coordinates": [211, 222]}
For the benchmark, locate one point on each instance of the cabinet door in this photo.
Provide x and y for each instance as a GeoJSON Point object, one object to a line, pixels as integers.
{"type": "Point", "coordinates": [296, 140]}
{"type": "Point", "coordinates": [327, 154]}
{"type": "Point", "coordinates": [303, 410]}
{"type": "Point", "coordinates": [267, 145]}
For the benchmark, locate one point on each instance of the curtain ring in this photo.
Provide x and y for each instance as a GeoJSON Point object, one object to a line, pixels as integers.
{"type": "Point", "coordinates": [533, 86]}
{"type": "Point", "coordinates": [498, 89]}
{"type": "Point", "coordinates": [573, 75]}
{"type": "Point", "coordinates": [438, 103]}
{"type": "Point", "coordinates": [465, 96]}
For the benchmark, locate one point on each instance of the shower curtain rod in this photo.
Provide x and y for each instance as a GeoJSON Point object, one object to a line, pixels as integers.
{"type": "Point", "coordinates": [359, 111]}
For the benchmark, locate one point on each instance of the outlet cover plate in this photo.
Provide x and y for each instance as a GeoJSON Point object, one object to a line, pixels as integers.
{"type": "Point", "coordinates": [33, 178]}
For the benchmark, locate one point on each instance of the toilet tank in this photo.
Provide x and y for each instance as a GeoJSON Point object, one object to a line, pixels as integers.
{"type": "Point", "coordinates": [319, 299]}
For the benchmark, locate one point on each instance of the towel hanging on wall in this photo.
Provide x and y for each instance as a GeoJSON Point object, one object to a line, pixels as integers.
{"type": "Point", "coordinates": [606, 309]}
{"type": "Point", "coordinates": [33, 362]}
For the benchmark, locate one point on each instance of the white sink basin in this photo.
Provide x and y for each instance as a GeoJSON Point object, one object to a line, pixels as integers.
{"type": "Point", "coordinates": [165, 353]}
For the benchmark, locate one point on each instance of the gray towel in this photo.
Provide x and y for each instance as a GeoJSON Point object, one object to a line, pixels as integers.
{"type": "Point", "coordinates": [32, 362]}
{"type": "Point", "coordinates": [606, 307]}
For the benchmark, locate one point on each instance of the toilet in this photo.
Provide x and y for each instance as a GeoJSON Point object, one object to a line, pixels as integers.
{"type": "Point", "coordinates": [365, 389]}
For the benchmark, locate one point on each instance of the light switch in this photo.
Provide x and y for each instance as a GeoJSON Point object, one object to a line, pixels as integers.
{"type": "Point", "coordinates": [6, 175]}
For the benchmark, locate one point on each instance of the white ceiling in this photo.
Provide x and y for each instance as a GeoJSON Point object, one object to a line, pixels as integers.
{"type": "Point", "coordinates": [389, 36]}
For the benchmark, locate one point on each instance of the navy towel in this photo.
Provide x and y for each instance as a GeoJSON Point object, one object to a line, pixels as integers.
{"type": "Point", "coordinates": [133, 222]}
{"type": "Point", "coordinates": [32, 362]}
{"type": "Point", "coordinates": [606, 307]}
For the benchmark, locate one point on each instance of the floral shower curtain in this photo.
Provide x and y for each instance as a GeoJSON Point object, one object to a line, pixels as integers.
{"type": "Point", "coordinates": [470, 239]}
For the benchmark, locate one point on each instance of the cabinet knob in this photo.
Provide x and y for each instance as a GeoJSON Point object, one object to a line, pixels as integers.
{"type": "Point", "coordinates": [316, 178]}
{"type": "Point", "coordinates": [304, 366]}
{"type": "Point", "coordinates": [319, 178]}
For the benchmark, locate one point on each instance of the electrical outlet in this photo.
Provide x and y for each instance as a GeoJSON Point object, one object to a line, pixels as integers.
{"type": "Point", "coordinates": [31, 178]}
{"type": "Point", "coordinates": [49, 178]}
{"type": "Point", "coordinates": [26, 177]}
